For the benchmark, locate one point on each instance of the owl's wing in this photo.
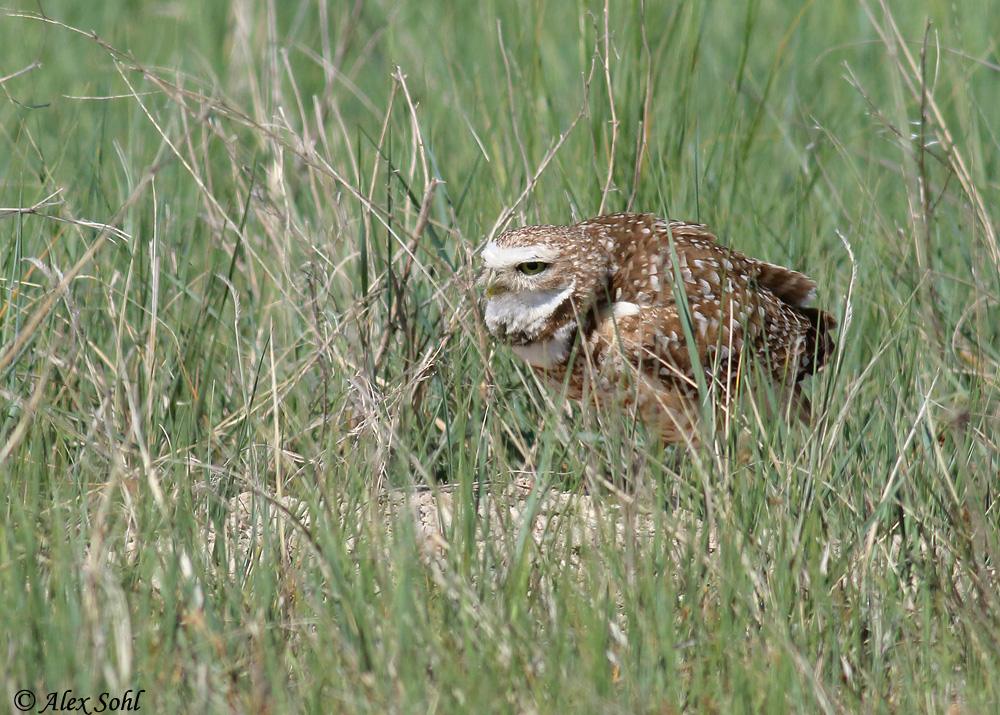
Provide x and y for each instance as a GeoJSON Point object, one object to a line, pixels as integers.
{"type": "Point", "coordinates": [695, 242]}
{"type": "Point", "coordinates": [733, 297]}
{"type": "Point", "coordinates": [645, 347]}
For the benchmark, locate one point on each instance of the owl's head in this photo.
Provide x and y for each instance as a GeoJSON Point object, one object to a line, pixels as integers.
{"type": "Point", "coordinates": [537, 278]}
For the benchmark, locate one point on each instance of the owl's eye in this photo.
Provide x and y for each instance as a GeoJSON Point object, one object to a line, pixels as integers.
{"type": "Point", "coordinates": [532, 268]}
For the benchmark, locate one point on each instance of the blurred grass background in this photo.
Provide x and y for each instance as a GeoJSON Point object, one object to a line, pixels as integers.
{"type": "Point", "coordinates": [237, 256]}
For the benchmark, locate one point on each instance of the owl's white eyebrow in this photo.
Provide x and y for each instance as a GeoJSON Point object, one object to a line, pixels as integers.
{"type": "Point", "coordinates": [495, 256]}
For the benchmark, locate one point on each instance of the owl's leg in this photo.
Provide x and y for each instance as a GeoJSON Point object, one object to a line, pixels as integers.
{"type": "Point", "coordinates": [619, 461]}
{"type": "Point", "coordinates": [801, 406]}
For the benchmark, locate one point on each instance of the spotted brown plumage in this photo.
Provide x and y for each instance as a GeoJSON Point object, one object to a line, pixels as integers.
{"type": "Point", "coordinates": [603, 307]}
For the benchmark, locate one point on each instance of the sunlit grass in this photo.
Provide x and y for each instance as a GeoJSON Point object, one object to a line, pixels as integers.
{"type": "Point", "coordinates": [239, 340]}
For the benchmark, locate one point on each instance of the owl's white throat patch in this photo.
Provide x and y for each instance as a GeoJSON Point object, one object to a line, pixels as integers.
{"type": "Point", "coordinates": [525, 312]}
{"type": "Point", "coordinates": [547, 353]}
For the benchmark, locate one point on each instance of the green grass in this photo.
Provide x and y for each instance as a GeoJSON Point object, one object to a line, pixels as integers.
{"type": "Point", "coordinates": [283, 305]}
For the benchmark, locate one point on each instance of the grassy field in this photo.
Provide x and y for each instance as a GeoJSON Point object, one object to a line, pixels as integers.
{"type": "Point", "coordinates": [239, 337]}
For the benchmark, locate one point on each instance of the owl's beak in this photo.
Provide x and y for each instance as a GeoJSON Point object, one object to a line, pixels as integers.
{"type": "Point", "coordinates": [493, 287]}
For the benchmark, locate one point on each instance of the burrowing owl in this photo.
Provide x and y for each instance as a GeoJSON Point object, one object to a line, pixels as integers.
{"type": "Point", "coordinates": [603, 308]}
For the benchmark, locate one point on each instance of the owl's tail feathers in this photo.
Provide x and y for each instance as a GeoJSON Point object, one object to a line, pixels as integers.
{"type": "Point", "coordinates": [789, 286]}
{"type": "Point", "coordinates": [819, 342]}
